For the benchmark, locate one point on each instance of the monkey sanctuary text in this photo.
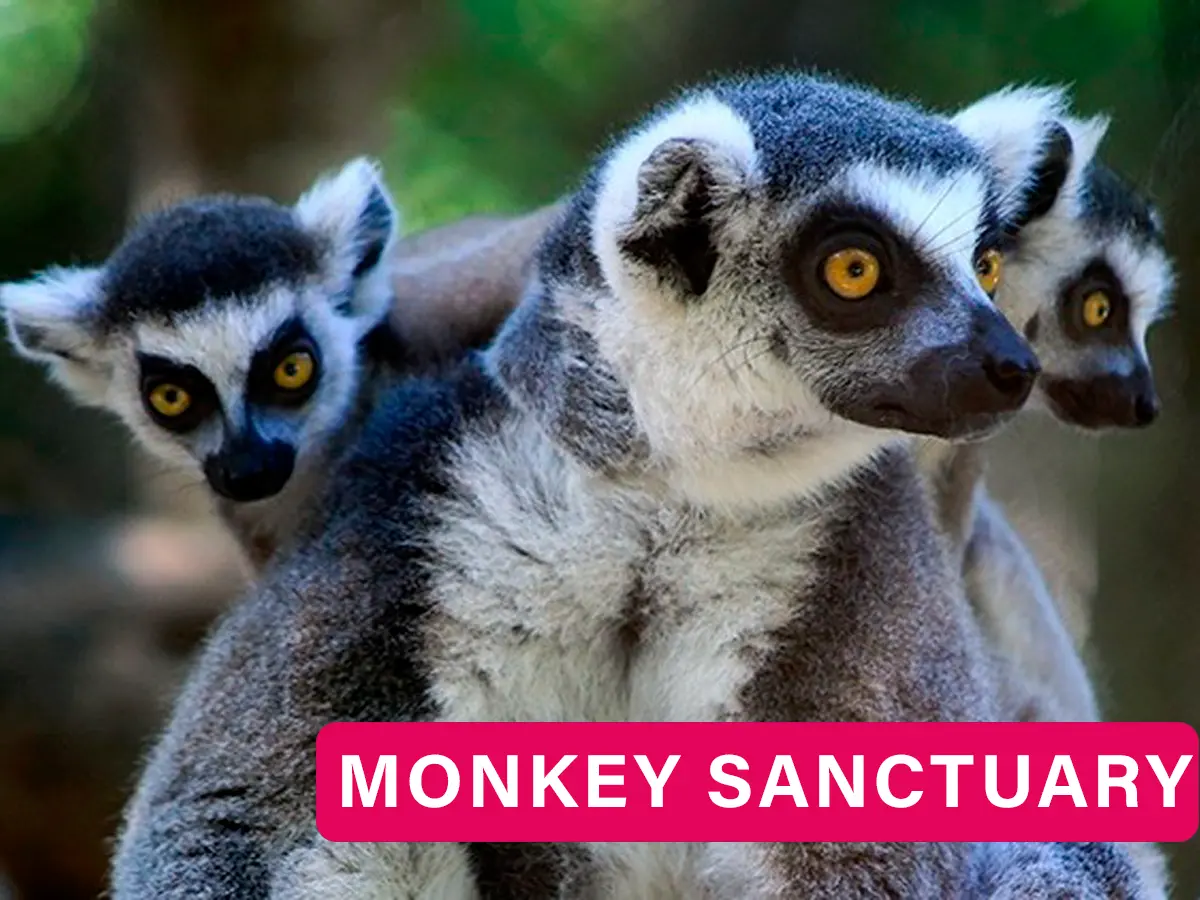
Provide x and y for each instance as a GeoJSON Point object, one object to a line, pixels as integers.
{"type": "Point", "coordinates": [735, 781]}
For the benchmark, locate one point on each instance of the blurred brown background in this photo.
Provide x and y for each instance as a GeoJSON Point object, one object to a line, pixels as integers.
{"type": "Point", "coordinates": [110, 571]}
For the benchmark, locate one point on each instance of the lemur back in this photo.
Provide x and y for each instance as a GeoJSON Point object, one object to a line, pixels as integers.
{"type": "Point", "coordinates": [456, 284]}
{"type": "Point", "coordinates": [197, 297]}
{"type": "Point", "coordinates": [677, 486]}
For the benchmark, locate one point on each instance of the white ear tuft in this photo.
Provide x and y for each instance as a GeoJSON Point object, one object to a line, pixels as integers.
{"type": "Point", "coordinates": [353, 214]}
{"type": "Point", "coordinates": [53, 319]}
{"type": "Point", "coordinates": [1012, 126]}
{"type": "Point", "coordinates": [1086, 135]}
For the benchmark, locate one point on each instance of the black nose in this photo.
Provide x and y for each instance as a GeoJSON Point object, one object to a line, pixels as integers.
{"type": "Point", "coordinates": [984, 380]}
{"type": "Point", "coordinates": [957, 391]}
{"type": "Point", "coordinates": [249, 468]}
{"type": "Point", "coordinates": [1145, 410]}
{"type": "Point", "coordinates": [1011, 376]}
{"type": "Point", "coordinates": [1105, 401]}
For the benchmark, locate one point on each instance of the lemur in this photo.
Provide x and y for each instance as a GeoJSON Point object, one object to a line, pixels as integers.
{"type": "Point", "coordinates": [243, 340]}
{"type": "Point", "coordinates": [1085, 278]}
{"type": "Point", "coordinates": [1080, 227]}
{"type": "Point", "coordinates": [678, 486]}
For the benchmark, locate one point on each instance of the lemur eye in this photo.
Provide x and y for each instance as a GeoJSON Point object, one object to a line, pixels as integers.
{"type": "Point", "coordinates": [170, 400]}
{"type": "Point", "coordinates": [1097, 308]}
{"type": "Point", "coordinates": [987, 270]}
{"type": "Point", "coordinates": [851, 273]}
{"type": "Point", "coordinates": [295, 370]}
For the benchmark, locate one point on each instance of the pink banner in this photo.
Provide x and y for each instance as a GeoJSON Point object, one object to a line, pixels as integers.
{"type": "Point", "coordinates": [757, 782]}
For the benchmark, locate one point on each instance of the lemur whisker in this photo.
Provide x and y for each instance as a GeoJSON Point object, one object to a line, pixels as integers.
{"type": "Point", "coordinates": [936, 206]}
{"type": "Point", "coordinates": [954, 245]}
{"type": "Point", "coordinates": [1004, 198]}
{"type": "Point", "coordinates": [722, 358]}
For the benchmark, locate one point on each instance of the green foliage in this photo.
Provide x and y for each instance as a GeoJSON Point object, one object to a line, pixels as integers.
{"type": "Point", "coordinates": [505, 113]}
{"type": "Point", "coordinates": [42, 48]}
{"type": "Point", "coordinates": [492, 122]}
{"type": "Point", "coordinates": [1110, 51]}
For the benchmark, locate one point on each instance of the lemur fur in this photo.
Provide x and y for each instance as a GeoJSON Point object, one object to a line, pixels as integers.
{"type": "Point", "coordinates": [677, 486]}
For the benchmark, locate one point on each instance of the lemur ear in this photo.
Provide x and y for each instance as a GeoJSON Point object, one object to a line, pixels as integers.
{"type": "Point", "coordinates": [1021, 132]}
{"type": "Point", "coordinates": [1045, 183]}
{"type": "Point", "coordinates": [662, 198]}
{"type": "Point", "coordinates": [53, 319]}
{"type": "Point", "coordinates": [1087, 135]}
{"type": "Point", "coordinates": [671, 228]}
{"type": "Point", "coordinates": [1070, 146]}
{"type": "Point", "coordinates": [353, 213]}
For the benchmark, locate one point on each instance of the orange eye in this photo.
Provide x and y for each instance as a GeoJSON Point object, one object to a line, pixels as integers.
{"type": "Point", "coordinates": [987, 270]}
{"type": "Point", "coordinates": [170, 400]}
{"type": "Point", "coordinates": [851, 273]}
{"type": "Point", "coordinates": [295, 371]}
{"type": "Point", "coordinates": [1096, 309]}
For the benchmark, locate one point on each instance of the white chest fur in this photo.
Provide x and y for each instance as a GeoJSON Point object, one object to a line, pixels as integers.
{"type": "Point", "coordinates": [559, 596]}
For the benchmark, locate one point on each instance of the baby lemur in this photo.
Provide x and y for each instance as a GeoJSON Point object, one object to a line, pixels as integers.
{"type": "Point", "coordinates": [243, 340]}
{"type": "Point", "coordinates": [677, 487]}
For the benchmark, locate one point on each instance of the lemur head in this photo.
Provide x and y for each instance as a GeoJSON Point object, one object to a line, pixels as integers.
{"type": "Point", "coordinates": [1088, 272]}
{"type": "Point", "coordinates": [224, 331]}
{"type": "Point", "coordinates": [773, 260]}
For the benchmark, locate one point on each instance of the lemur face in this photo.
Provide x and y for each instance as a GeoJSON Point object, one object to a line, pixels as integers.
{"type": "Point", "coordinates": [1087, 273]}
{"type": "Point", "coordinates": [802, 255]}
{"type": "Point", "coordinates": [1085, 283]}
{"type": "Point", "coordinates": [223, 331]}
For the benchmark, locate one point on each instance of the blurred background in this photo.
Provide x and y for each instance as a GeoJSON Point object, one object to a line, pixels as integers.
{"type": "Point", "coordinates": [110, 570]}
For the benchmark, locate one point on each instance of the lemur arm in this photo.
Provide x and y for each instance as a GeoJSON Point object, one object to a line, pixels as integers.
{"type": "Point", "coordinates": [229, 790]}
{"type": "Point", "coordinates": [213, 801]}
{"type": "Point", "coordinates": [1021, 619]}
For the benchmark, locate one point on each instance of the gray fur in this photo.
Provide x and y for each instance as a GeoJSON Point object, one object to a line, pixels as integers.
{"type": "Point", "coordinates": [741, 549]}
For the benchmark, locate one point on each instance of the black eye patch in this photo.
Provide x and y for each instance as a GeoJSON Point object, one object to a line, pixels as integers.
{"type": "Point", "coordinates": [902, 274]}
{"type": "Point", "coordinates": [1096, 288]}
{"type": "Point", "coordinates": [261, 386]}
{"type": "Point", "coordinates": [177, 382]}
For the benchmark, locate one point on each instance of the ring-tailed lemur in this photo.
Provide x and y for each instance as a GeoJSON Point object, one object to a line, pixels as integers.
{"type": "Point", "coordinates": [675, 487]}
{"type": "Point", "coordinates": [244, 340]}
{"type": "Point", "coordinates": [1084, 280]}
